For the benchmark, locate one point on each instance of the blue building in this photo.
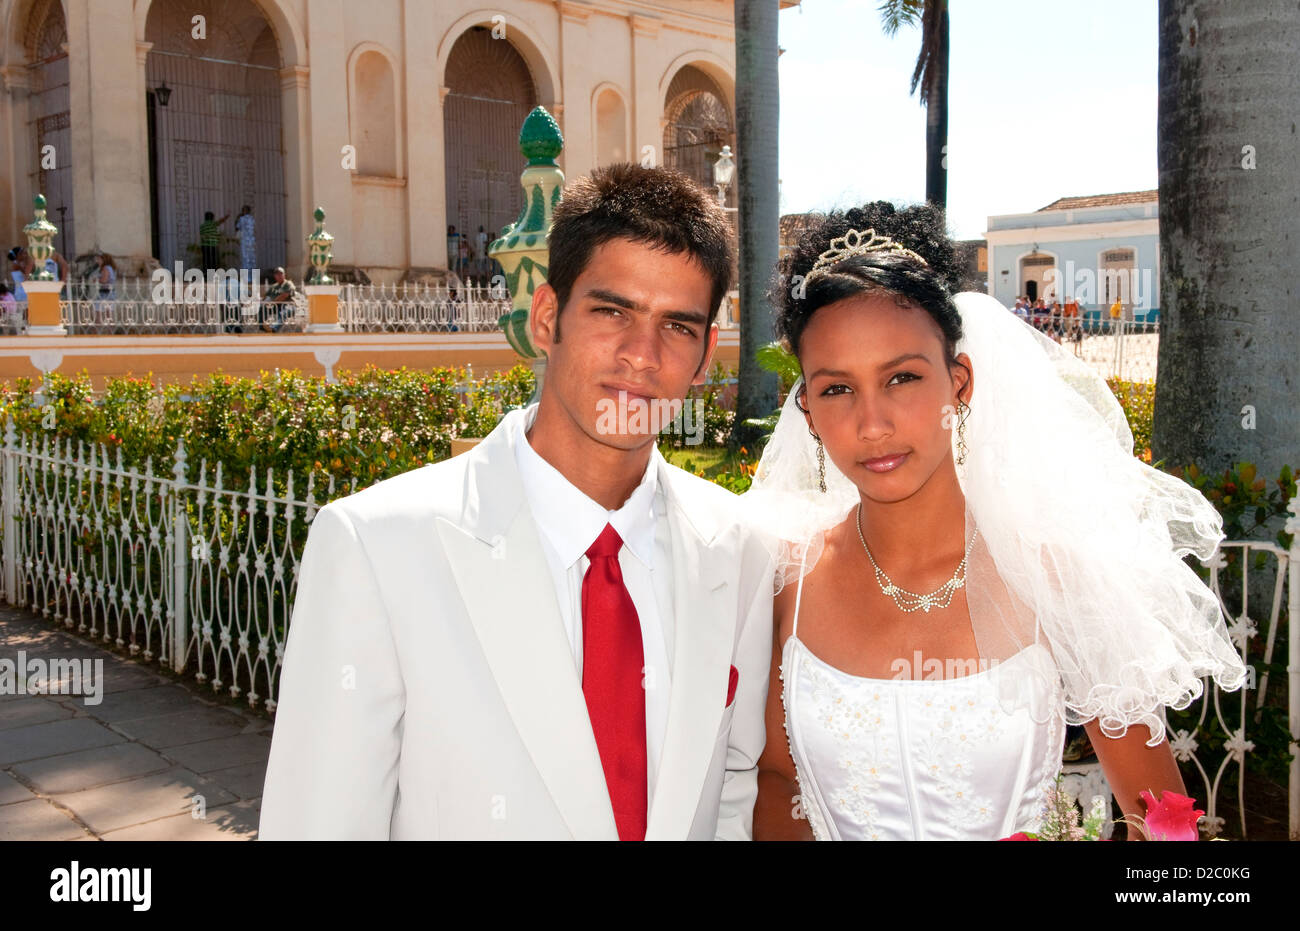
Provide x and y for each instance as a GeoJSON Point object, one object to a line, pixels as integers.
{"type": "Point", "coordinates": [1094, 249]}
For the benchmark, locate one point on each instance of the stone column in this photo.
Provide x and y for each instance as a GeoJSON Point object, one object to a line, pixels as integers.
{"type": "Point", "coordinates": [120, 162]}
{"type": "Point", "coordinates": [141, 107]}
{"type": "Point", "coordinates": [331, 182]}
{"type": "Point", "coordinates": [15, 167]}
{"type": "Point", "coordinates": [81, 133]}
{"type": "Point", "coordinates": [647, 107]}
{"type": "Point", "coordinates": [296, 127]}
{"type": "Point", "coordinates": [425, 182]}
{"type": "Point", "coordinates": [577, 81]}
{"type": "Point", "coordinates": [438, 177]}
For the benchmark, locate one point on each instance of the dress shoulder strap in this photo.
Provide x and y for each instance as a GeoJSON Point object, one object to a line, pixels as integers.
{"type": "Point", "coordinates": [798, 592]}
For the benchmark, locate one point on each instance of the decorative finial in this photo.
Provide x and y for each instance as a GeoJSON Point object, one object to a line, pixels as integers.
{"type": "Point", "coordinates": [40, 240]}
{"type": "Point", "coordinates": [320, 249]}
{"type": "Point", "coordinates": [540, 139]}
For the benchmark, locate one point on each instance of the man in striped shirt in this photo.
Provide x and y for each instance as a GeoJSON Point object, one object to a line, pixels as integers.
{"type": "Point", "coordinates": [210, 240]}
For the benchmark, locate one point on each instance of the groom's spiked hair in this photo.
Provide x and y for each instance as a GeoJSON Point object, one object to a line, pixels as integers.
{"type": "Point", "coordinates": [659, 207]}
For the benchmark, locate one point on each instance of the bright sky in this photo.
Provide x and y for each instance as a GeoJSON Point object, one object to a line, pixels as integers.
{"type": "Point", "coordinates": [1046, 99]}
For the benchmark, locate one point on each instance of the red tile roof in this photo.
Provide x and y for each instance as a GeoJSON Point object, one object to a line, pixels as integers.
{"type": "Point", "coordinates": [1103, 200]}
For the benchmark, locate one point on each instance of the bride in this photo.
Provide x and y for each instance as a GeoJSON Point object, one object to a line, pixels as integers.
{"type": "Point", "coordinates": [972, 558]}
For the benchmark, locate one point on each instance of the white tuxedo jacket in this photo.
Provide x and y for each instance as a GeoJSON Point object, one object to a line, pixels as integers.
{"type": "Point", "coordinates": [429, 689]}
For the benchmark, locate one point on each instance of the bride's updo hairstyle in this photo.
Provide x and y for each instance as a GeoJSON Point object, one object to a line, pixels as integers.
{"type": "Point", "coordinates": [919, 228]}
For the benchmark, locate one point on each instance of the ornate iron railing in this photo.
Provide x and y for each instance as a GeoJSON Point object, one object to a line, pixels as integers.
{"type": "Point", "coordinates": [194, 573]}
{"type": "Point", "coordinates": [422, 308]}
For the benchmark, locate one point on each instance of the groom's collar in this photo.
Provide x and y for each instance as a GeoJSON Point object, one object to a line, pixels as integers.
{"type": "Point", "coordinates": [494, 493]}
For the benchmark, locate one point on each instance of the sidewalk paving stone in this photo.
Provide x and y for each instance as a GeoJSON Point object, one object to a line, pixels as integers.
{"type": "Point", "coordinates": [21, 711]}
{"type": "Point", "coordinates": [128, 767]}
{"type": "Point", "coordinates": [245, 781]}
{"type": "Point", "coordinates": [54, 737]}
{"type": "Point", "coordinates": [145, 702]}
{"type": "Point", "coordinates": [183, 727]}
{"type": "Point", "coordinates": [37, 820]}
{"type": "Point", "coordinates": [222, 752]}
{"type": "Point", "coordinates": [236, 821]}
{"type": "Point", "coordinates": [11, 790]}
{"type": "Point", "coordinates": [147, 798]}
{"type": "Point", "coordinates": [87, 769]}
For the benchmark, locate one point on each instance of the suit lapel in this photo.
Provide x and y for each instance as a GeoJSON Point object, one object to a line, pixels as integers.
{"type": "Point", "coordinates": [501, 572]}
{"type": "Point", "coordinates": [704, 613]}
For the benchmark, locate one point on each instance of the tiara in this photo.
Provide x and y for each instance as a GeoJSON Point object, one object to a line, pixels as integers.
{"type": "Point", "coordinates": [855, 243]}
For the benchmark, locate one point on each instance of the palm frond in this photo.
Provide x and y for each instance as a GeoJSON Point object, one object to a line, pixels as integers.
{"type": "Point", "coordinates": [933, 25]}
{"type": "Point", "coordinates": [895, 14]}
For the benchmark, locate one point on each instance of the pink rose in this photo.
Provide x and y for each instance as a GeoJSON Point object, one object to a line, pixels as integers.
{"type": "Point", "coordinates": [1171, 818]}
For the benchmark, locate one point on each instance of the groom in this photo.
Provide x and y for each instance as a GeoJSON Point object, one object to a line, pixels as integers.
{"type": "Point", "coordinates": [557, 634]}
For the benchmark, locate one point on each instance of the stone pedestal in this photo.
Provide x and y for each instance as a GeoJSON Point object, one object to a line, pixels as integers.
{"type": "Point", "coordinates": [44, 313]}
{"type": "Point", "coordinates": [323, 308]}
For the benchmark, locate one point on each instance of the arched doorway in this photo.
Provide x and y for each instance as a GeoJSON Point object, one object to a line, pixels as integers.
{"type": "Point", "coordinates": [215, 142]}
{"type": "Point", "coordinates": [490, 94]}
{"type": "Point", "coordinates": [1034, 278]}
{"type": "Point", "coordinates": [47, 48]}
{"type": "Point", "coordinates": [698, 125]}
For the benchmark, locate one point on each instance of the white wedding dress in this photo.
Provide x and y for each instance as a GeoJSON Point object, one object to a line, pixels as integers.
{"type": "Point", "coordinates": [922, 759]}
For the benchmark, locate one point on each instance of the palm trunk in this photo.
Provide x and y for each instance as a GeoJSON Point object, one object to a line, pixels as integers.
{"type": "Point", "coordinates": [936, 122]}
{"type": "Point", "coordinates": [757, 116]}
{"type": "Point", "coordinates": [1228, 372]}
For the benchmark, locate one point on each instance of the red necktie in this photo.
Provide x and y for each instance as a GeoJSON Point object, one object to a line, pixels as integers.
{"type": "Point", "coordinates": [613, 662]}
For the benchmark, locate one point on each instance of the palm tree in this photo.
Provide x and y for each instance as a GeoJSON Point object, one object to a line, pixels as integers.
{"type": "Point", "coordinates": [931, 76]}
{"type": "Point", "coordinates": [757, 113]}
{"type": "Point", "coordinates": [1228, 368]}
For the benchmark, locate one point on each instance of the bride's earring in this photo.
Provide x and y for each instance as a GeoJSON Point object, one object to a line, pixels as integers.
{"type": "Point", "coordinates": [962, 410]}
{"type": "Point", "coordinates": [821, 466]}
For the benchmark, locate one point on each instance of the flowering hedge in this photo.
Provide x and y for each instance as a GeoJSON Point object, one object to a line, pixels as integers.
{"type": "Point", "coordinates": [368, 426]}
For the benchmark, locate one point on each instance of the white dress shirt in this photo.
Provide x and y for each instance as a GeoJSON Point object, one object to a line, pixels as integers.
{"type": "Point", "coordinates": [569, 523]}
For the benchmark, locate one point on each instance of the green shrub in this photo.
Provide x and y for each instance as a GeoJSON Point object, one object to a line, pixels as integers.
{"type": "Point", "coordinates": [1137, 398]}
{"type": "Point", "coordinates": [368, 426]}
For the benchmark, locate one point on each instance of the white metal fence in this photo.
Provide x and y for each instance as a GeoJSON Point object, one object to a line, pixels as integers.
{"type": "Point", "coordinates": [200, 575]}
{"type": "Point", "coordinates": [413, 307]}
{"type": "Point", "coordinates": [195, 571]}
{"type": "Point", "coordinates": [133, 306]}
{"type": "Point", "coordinates": [139, 306]}
{"type": "Point", "coordinates": [13, 318]}
{"type": "Point", "coordinates": [1125, 349]}
{"type": "Point", "coordinates": [1243, 713]}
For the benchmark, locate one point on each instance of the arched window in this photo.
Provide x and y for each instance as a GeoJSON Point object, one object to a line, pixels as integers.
{"type": "Point", "coordinates": [374, 115]}
{"type": "Point", "coordinates": [611, 128]}
{"type": "Point", "coordinates": [699, 124]}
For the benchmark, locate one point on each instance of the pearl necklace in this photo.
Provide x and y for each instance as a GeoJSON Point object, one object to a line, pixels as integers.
{"type": "Point", "coordinates": [939, 598]}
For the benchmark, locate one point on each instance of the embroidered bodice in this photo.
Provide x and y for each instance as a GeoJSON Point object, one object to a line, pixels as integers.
{"type": "Point", "coordinates": [962, 758]}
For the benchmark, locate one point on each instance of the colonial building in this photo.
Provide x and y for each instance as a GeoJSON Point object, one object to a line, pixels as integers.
{"type": "Point", "coordinates": [399, 117]}
{"type": "Point", "coordinates": [1096, 249]}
